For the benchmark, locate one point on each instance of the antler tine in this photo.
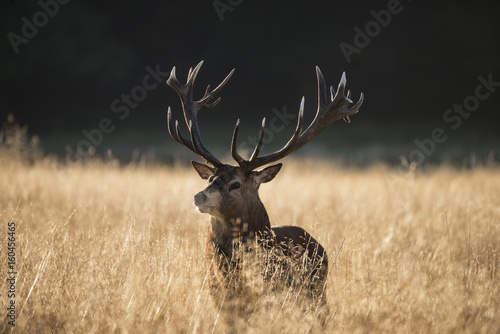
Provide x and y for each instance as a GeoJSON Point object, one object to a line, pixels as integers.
{"type": "Point", "coordinates": [183, 140]}
{"type": "Point", "coordinates": [355, 108]}
{"type": "Point", "coordinates": [341, 88]}
{"type": "Point", "coordinates": [234, 152]}
{"type": "Point", "coordinates": [171, 128]}
{"type": "Point", "coordinates": [192, 75]}
{"type": "Point", "coordinates": [173, 82]}
{"type": "Point", "coordinates": [210, 94]}
{"type": "Point", "coordinates": [255, 161]}
{"type": "Point", "coordinates": [289, 146]}
{"type": "Point", "coordinates": [322, 97]}
{"type": "Point", "coordinates": [347, 119]}
{"type": "Point", "coordinates": [328, 112]}
{"type": "Point", "coordinates": [259, 143]}
{"type": "Point", "coordinates": [348, 97]}
{"type": "Point", "coordinates": [191, 108]}
{"type": "Point", "coordinates": [175, 133]}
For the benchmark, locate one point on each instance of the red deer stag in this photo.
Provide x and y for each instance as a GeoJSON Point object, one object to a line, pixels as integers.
{"type": "Point", "coordinates": [231, 197]}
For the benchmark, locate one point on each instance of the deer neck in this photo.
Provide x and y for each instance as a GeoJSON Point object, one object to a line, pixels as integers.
{"type": "Point", "coordinates": [253, 217]}
{"type": "Point", "coordinates": [251, 220]}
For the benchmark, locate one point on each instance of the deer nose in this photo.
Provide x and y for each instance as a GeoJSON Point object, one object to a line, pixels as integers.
{"type": "Point", "coordinates": [199, 198]}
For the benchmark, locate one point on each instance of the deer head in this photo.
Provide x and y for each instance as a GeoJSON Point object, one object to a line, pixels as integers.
{"type": "Point", "coordinates": [232, 191]}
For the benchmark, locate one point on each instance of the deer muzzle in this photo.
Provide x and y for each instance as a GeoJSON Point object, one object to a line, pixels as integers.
{"type": "Point", "coordinates": [203, 203]}
{"type": "Point", "coordinates": [199, 198]}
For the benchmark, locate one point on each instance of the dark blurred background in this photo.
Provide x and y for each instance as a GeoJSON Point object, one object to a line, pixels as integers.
{"type": "Point", "coordinates": [65, 66]}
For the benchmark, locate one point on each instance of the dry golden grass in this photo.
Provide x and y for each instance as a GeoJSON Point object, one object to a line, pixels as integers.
{"type": "Point", "coordinates": [103, 248]}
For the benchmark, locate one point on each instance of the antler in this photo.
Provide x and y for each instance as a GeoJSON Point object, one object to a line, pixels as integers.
{"type": "Point", "coordinates": [329, 111]}
{"type": "Point", "coordinates": [191, 109]}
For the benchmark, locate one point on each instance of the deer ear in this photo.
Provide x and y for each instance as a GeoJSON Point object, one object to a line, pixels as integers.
{"type": "Point", "coordinates": [204, 170]}
{"type": "Point", "coordinates": [267, 174]}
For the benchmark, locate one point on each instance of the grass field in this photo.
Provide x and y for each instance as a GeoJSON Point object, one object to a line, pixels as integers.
{"type": "Point", "coordinates": [104, 248]}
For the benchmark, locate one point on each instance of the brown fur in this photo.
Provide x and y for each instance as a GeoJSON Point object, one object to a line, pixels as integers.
{"type": "Point", "coordinates": [238, 219]}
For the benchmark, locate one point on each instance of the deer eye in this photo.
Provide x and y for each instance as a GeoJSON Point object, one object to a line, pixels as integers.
{"type": "Point", "coordinates": [211, 178]}
{"type": "Point", "coordinates": [234, 186]}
